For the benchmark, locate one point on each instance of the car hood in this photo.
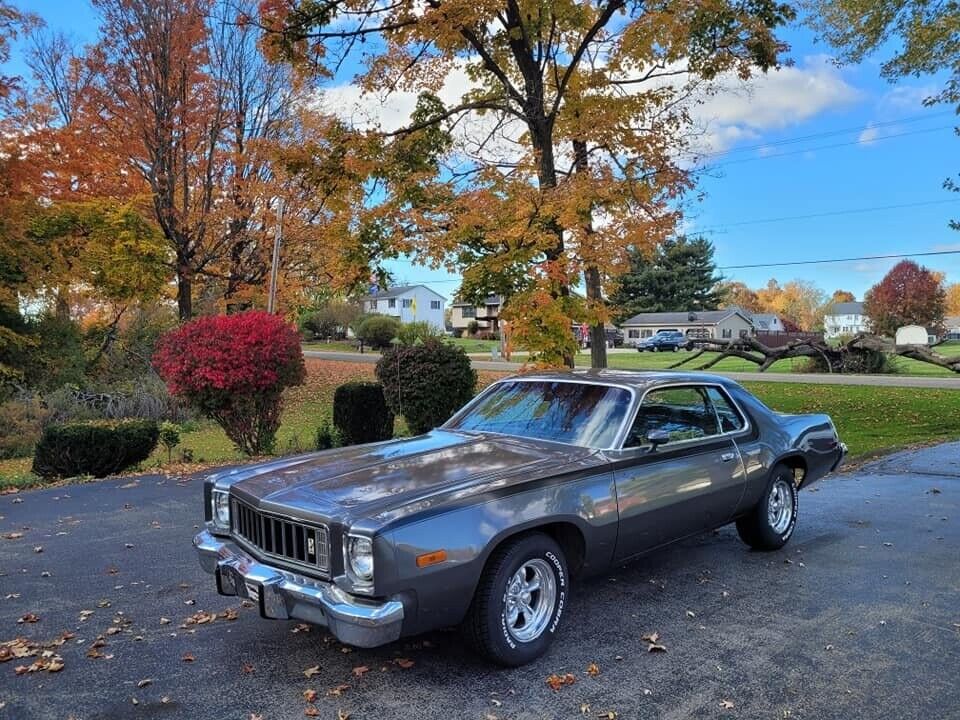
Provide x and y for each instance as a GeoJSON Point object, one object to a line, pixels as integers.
{"type": "Point", "coordinates": [385, 480]}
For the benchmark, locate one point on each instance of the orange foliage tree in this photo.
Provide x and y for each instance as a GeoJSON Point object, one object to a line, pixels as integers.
{"type": "Point", "coordinates": [578, 114]}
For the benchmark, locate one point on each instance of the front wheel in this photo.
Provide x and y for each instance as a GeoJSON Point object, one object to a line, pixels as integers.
{"type": "Point", "coordinates": [519, 601]}
{"type": "Point", "coordinates": [770, 523]}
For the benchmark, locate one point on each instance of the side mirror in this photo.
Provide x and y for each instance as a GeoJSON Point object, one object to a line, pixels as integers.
{"type": "Point", "coordinates": [656, 438]}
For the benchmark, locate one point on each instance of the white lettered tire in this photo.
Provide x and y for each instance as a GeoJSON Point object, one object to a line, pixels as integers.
{"type": "Point", "coordinates": [520, 600]}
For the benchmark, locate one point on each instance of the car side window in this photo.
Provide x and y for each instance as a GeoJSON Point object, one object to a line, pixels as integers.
{"type": "Point", "coordinates": [730, 418]}
{"type": "Point", "coordinates": [684, 413]}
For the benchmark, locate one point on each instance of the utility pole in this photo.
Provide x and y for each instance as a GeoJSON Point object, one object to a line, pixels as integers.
{"type": "Point", "coordinates": [275, 266]}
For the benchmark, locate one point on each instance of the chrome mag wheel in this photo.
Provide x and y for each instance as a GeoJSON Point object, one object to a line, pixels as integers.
{"type": "Point", "coordinates": [780, 507]}
{"type": "Point", "coordinates": [530, 600]}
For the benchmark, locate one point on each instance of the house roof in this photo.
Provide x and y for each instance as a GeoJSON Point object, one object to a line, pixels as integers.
{"type": "Point", "coordinates": [846, 308]}
{"type": "Point", "coordinates": [951, 321]}
{"type": "Point", "coordinates": [397, 291]}
{"type": "Point", "coordinates": [491, 299]}
{"type": "Point", "coordinates": [692, 318]}
{"type": "Point", "coordinates": [764, 320]}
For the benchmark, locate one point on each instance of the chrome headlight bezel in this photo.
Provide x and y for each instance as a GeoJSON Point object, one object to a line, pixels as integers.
{"type": "Point", "coordinates": [220, 509]}
{"type": "Point", "coordinates": [358, 563]}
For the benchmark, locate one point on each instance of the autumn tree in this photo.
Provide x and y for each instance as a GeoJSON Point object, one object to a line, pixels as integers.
{"type": "Point", "coordinates": [798, 301]}
{"type": "Point", "coordinates": [915, 36]}
{"type": "Point", "coordinates": [908, 295]}
{"type": "Point", "coordinates": [952, 299]}
{"type": "Point", "coordinates": [734, 293]}
{"type": "Point", "coordinates": [679, 275]}
{"type": "Point", "coordinates": [589, 98]}
{"type": "Point", "coordinates": [842, 296]}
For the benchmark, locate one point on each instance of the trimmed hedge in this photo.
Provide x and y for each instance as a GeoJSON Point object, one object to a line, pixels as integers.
{"type": "Point", "coordinates": [426, 383]}
{"type": "Point", "coordinates": [94, 448]}
{"type": "Point", "coordinates": [378, 330]}
{"type": "Point", "coordinates": [360, 413]}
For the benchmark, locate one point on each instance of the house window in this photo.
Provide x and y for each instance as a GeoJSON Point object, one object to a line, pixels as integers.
{"type": "Point", "coordinates": [392, 303]}
{"type": "Point", "coordinates": [633, 333]}
{"type": "Point", "coordinates": [407, 302]}
{"type": "Point", "coordinates": [647, 333]}
{"type": "Point", "coordinates": [727, 333]}
{"type": "Point", "coordinates": [372, 305]}
{"type": "Point", "coordinates": [744, 333]}
{"type": "Point", "coordinates": [469, 312]}
{"type": "Point", "coordinates": [434, 304]}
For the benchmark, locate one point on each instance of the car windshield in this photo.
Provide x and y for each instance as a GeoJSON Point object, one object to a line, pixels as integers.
{"type": "Point", "coordinates": [569, 412]}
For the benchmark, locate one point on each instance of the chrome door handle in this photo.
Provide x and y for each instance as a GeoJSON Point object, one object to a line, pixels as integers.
{"type": "Point", "coordinates": [728, 456]}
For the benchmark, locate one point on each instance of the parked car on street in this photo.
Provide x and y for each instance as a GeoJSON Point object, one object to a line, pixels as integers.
{"type": "Point", "coordinates": [488, 521]}
{"type": "Point", "coordinates": [613, 335]}
{"type": "Point", "coordinates": [672, 340]}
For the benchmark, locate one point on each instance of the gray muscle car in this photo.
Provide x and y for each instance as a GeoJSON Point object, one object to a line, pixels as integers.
{"type": "Point", "coordinates": [486, 521]}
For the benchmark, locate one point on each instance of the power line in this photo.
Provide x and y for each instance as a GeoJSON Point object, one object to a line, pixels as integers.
{"type": "Point", "coordinates": [840, 260]}
{"type": "Point", "coordinates": [832, 213]}
{"type": "Point", "coordinates": [831, 147]}
{"type": "Point", "coordinates": [826, 134]}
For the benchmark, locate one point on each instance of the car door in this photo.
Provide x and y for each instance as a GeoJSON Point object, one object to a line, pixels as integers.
{"type": "Point", "coordinates": [691, 482]}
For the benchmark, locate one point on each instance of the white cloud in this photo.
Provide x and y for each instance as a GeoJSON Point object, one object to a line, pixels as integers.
{"type": "Point", "coordinates": [868, 135]}
{"type": "Point", "coordinates": [735, 112]}
{"type": "Point", "coordinates": [777, 99]}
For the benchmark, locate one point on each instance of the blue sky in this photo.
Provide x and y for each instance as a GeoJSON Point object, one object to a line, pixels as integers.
{"type": "Point", "coordinates": [874, 145]}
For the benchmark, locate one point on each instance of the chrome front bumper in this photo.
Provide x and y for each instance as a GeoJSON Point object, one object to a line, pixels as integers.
{"type": "Point", "coordinates": [283, 595]}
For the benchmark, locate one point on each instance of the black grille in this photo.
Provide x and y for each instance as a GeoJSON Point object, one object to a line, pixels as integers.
{"type": "Point", "coordinates": [280, 538]}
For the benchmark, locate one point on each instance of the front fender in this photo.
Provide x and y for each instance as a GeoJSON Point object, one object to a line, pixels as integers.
{"type": "Point", "coordinates": [470, 534]}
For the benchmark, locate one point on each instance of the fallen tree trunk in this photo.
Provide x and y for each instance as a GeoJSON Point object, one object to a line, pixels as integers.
{"type": "Point", "coordinates": [863, 351]}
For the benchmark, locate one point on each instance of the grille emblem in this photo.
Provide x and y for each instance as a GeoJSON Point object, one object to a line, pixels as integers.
{"type": "Point", "coordinates": [311, 546]}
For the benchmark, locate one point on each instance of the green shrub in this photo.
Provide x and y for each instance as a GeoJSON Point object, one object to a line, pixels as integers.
{"type": "Point", "coordinates": [378, 330]}
{"type": "Point", "coordinates": [94, 448]}
{"type": "Point", "coordinates": [169, 437]}
{"type": "Point", "coordinates": [21, 424]}
{"type": "Point", "coordinates": [421, 330]}
{"type": "Point", "coordinates": [472, 327]}
{"type": "Point", "coordinates": [426, 383]}
{"type": "Point", "coordinates": [327, 437]}
{"type": "Point", "coordinates": [330, 321]}
{"type": "Point", "coordinates": [458, 333]}
{"type": "Point", "coordinates": [360, 413]}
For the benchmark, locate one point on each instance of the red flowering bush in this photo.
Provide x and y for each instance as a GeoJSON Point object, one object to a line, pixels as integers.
{"type": "Point", "coordinates": [234, 369]}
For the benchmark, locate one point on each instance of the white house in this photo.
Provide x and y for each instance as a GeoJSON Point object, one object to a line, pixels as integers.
{"type": "Point", "coordinates": [952, 326]}
{"type": "Point", "coordinates": [767, 322]}
{"type": "Point", "coordinates": [407, 303]}
{"type": "Point", "coordinates": [845, 318]}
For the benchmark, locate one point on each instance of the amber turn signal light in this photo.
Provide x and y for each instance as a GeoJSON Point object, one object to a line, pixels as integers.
{"type": "Point", "coordinates": [431, 558]}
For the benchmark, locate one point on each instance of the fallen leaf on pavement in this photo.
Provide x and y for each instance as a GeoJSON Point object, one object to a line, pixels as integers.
{"type": "Point", "coordinates": [143, 683]}
{"type": "Point", "coordinates": [311, 711]}
{"type": "Point", "coordinates": [360, 670]}
{"type": "Point", "coordinates": [608, 715]}
{"type": "Point", "coordinates": [28, 618]}
{"type": "Point", "coordinates": [555, 682]}
{"type": "Point", "coordinates": [311, 671]}
{"type": "Point", "coordinates": [12, 535]}
{"type": "Point", "coordinates": [655, 647]}
{"type": "Point", "coordinates": [188, 657]}
{"type": "Point", "coordinates": [338, 690]}
{"type": "Point", "coordinates": [247, 668]}
{"type": "Point", "coordinates": [343, 715]}
{"type": "Point", "coordinates": [651, 637]}
{"type": "Point", "coordinates": [593, 669]}
{"type": "Point", "coordinates": [726, 705]}
{"type": "Point", "coordinates": [310, 695]}
{"type": "Point", "coordinates": [404, 663]}
{"type": "Point", "coordinates": [38, 548]}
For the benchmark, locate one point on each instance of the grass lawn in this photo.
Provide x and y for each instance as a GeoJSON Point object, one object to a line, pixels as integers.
{"type": "Point", "coordinates": [870, 420]}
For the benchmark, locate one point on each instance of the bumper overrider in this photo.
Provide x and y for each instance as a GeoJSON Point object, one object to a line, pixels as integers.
{"type": "Point", "coordinates": [283, 595]}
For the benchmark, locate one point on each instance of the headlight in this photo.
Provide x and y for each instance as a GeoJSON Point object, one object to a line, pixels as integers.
{"type": "Point", "coordinates": [220, 502]}
{"type": "Point", "coordinates": [360, 557]}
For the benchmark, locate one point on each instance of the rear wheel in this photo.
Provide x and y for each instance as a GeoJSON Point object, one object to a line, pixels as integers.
{"type": "Point", "coordinates": [676, 348]}
{"type": "Point", "coordinates": [655, 349]}
{"type": "Point", "coordinates": [771, 522]}
{"type": "Point", "coordinates": [519, 602]}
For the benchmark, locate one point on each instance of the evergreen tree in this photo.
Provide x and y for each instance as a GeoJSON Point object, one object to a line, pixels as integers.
{"type": "Point", "coordinates": [679, 276]}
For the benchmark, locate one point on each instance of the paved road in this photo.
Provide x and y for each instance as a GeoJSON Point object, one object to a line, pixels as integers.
{"type": "Point", "coordinates": [856, 618]}
{"type": "Point", "coordinates": [945, 383]}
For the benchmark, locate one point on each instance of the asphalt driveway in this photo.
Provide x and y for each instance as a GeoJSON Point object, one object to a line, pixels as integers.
{"type": "Point", "coordinates": [858, 617]}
